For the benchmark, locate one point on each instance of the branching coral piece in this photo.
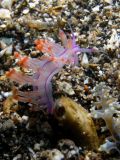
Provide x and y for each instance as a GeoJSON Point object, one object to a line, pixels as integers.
{"type": "Point", "coordinates": [109, 107]}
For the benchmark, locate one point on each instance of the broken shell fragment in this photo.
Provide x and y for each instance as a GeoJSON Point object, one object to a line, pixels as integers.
{"type": "Point", "coordinates": [55, 10]}
{"type": "Point", "coordinates": [34, 24]}
{"type": "Point", "coordinates": [77, 121]}
{"type": "Point", "coordinates": [7, 50]}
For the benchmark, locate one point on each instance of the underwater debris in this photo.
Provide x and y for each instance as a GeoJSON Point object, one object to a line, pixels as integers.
{"type": "Point", "coordinates": [78, 121]}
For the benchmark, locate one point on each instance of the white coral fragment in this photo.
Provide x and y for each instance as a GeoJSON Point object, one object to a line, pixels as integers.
{"type": "Point", "coordinates": [109, 107]}
{"type": "Point", "coordinates": [108, 1]}
{"type": "Point", "coordinates": [5, 14]}
{"type": "Point", "coordinates": [7, 4]}
{"type": "Point", "coordinates": [108, 146]}
{"type": "Point", "coordinates": [114, 41]}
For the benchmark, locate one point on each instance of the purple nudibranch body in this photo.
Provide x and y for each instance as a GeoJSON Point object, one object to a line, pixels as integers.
{"type": "Point", "coordinates": [44, 69]}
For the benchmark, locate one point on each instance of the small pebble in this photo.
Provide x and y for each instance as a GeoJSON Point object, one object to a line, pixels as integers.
{"type": "Point", "coordinates": [37, 146]}
{"type": "Point", "coordinates": [25, 119]}
{"type": "Point", "coordinates": [26, 11]}
{"type": "Point", "coordinates": [96, 8]}
{"type": "Point", "coordinates": [32, 5]}
{"type": "Point", "coordinates": [18, 157]}
{"type": "Point", "coordinates": [54, 154]}
{"type": "Point", "coordinates": [66, 87]}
